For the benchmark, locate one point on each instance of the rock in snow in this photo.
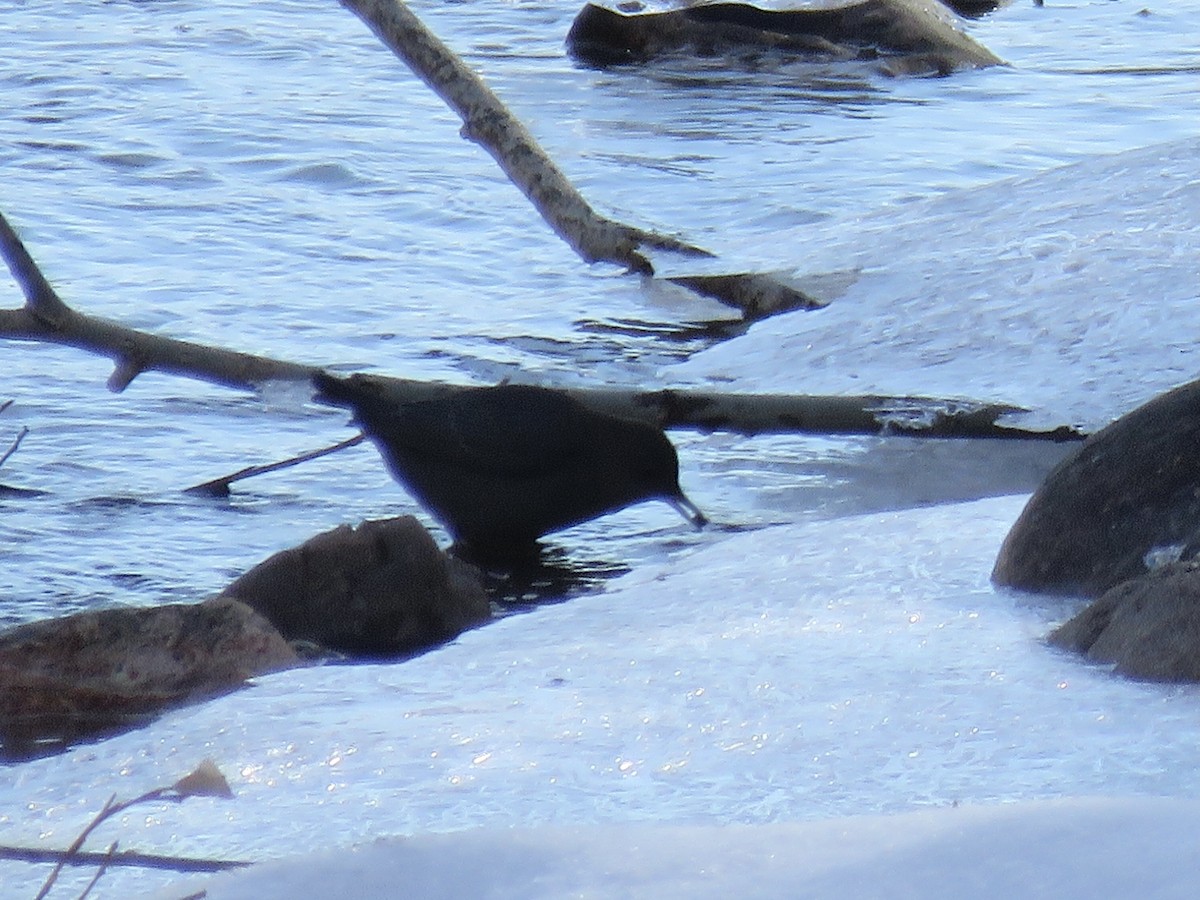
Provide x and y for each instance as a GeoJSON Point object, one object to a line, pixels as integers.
{"type": "Point", "coordinates": [1149, 626]}
{"type": "Point", "coordinates": [381, 588]}
{"type": "Point", "coordinates": [1128, 497]}
{"type": "Point", "coordinates": [94, 672]}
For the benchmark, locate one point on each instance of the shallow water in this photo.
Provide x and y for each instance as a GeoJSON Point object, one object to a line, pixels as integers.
{"type": "Point", "coordinates": [266, 177]}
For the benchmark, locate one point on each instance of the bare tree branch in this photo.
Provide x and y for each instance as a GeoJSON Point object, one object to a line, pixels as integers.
{"type": "Point", "coordinates": [137, 351]}
{"type": "Point", "coordinates": [45, 317]}
{"type": "Point", "coordinates": [487, 122]}
{"type": "Point", "coordinates": [15, 444]}
{"type": "Point", "coordinates": [42, 302]}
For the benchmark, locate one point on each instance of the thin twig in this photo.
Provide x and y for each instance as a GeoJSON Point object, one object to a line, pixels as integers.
{"type": "Point", "coordinates": [128, 858]}
{"type": "Point", "coordinates": [205, 780]}
{"type": "Point", "coordinates": [219, 487]}
{"type": "Point", "coordinates": [100, 870]}
{"type": "Point", "coordinates": [15, 444]}
{"type": "Point", "coordinates": [110, 809]}
{"type": "Point", "coordinates": [104, 813]}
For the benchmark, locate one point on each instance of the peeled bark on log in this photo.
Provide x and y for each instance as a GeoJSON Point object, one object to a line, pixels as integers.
{"type": "Point", "coordinates": [596, 238]}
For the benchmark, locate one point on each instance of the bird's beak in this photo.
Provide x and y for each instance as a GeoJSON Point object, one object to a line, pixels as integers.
{"type": "Point", "coordinates": [688, 510]}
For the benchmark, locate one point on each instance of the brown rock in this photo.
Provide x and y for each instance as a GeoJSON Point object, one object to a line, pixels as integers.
{"type": "Point", "coordinates": [94, 672]}
{"type": "Point", "coordinates": [917, 36]}
{"type": "Point", "coordinates": [1129, 493]}
{"type": "Point", "coordinates": [383, 588]}
{"type": "Point", "coordinates": [1149, 627]}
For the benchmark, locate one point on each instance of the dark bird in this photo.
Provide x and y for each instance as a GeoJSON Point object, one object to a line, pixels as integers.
{"type": "Point", "coordinates": [502, 466]}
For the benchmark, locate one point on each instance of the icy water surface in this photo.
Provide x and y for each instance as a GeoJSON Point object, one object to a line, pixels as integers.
{"type": "Point", "coordinates": [265, 176]}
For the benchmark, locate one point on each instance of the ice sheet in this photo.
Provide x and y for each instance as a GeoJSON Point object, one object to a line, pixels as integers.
{"type": "Point", "coordinates": [800, 672]}
{"type": "Point", "coordinates": [1059, 850]}
{"type": "Point", "coordinates": [1073, 292]}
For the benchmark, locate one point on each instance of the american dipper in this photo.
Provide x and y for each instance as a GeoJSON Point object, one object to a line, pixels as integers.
{"type": "Point", "coordinates": [502, 466]}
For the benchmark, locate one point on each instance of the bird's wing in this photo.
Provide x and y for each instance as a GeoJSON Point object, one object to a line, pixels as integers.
{"type": "Point", "coordinates": [509, 434]}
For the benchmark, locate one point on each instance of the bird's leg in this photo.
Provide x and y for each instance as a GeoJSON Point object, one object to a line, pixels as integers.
{"type": "Point", "coordinates": [688, 510]}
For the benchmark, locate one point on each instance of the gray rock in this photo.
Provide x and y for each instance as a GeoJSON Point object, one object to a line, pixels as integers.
{"type": "Point", "coordinates": [1126, 500]}
{"type": "Point", "coordinates": [910, 36]}
{"type": "Point", "coordinates": [90, 673]}
{"type": "Point", "coordinates": [1149, 627]}
{"type": "Point", "coordinates": [381, 589]}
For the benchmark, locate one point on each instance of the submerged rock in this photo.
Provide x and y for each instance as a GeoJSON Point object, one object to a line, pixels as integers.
{"type": "Point", "coordinates": [1126, 501]}
{"type": "Point", "coordinates": [912, 36]}
{"type": "Point", "coordinates": [1148, 627]}
{"type": "Point", "coordinates": [383, 588]}
{"type": "Point", "coordinates": [91, 673]}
